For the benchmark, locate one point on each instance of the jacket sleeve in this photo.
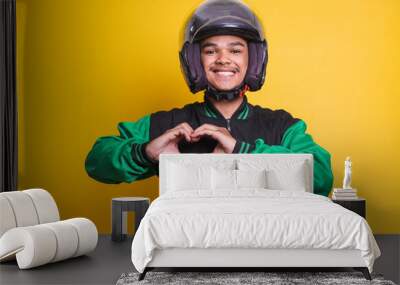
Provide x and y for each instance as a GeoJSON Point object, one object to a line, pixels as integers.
{"type": "Point", "coordinates": [296, 140]}
{"type": "Point", "coordinates": [116, 159]}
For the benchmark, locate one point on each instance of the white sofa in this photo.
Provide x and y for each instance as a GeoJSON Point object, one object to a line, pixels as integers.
{"type": "Point", "coordinates": [31, 231]}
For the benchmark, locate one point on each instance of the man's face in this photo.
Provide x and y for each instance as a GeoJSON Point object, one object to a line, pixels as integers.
{"type": "Point", "coordinates": [225, 59]}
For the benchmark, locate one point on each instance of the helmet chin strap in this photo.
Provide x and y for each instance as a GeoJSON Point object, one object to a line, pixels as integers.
{"type": "Point", "coordinates": [228, 94]}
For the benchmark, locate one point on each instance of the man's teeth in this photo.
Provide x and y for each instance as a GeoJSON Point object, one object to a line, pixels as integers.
{"type": "Point", "coordinates": [225, 73]}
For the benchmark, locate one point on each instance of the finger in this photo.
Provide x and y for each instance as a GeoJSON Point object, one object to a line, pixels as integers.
{"type": "Point", "coordinates": [170, 151]}
{"type": "Point", "coordinates": [175, 133]}
{"type": "Point", "coordinates": [187, 126]}
{"type": "Point", "coordinates": [184, 125]}
{"type": "Point", "coordinates": [187, 129]}
{"type": "Point", "coordinates": [214, 134]}
{"type": "Point", "coordinates": [205, 132]}
{"type": "Point", "coordinates": [208, 127]}
{"type": "Point", "coordinates": [218, 150]}
{"type": "Point", "coordinates": [205, 127]}
{"type": "Point", "coordinates": [182, 132]}
{"type": "Point", "coordinates": [195, 139]}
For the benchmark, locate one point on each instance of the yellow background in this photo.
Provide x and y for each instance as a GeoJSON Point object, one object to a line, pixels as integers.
{"type": "Point", "coordinates": [84, 66]}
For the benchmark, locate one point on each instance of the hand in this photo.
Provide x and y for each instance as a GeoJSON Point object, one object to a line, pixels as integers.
{"type": "Point", "coordinates": [226, 142]}
{"type": "Point", "coordinates": [168, 141]}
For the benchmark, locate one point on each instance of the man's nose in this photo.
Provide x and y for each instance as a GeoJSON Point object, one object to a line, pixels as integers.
{"type": "Point", "coordinates": [223, 58]}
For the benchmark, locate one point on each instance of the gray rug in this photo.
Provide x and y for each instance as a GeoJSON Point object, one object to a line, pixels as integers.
{"type": "Point", "coordinates": [269, 278]}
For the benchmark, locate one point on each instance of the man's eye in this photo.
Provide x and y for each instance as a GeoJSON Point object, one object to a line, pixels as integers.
{"type": "Point", "coordinates": [209, 52]}
{"type": "Point", "coordinates": [235, 51]}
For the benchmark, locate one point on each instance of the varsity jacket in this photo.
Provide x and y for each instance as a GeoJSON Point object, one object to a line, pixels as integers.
{"type": "Point", "coordinates": [115, 159]}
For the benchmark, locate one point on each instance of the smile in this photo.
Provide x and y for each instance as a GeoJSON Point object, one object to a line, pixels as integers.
{"type": "Point", "coordinates": [225, 73]}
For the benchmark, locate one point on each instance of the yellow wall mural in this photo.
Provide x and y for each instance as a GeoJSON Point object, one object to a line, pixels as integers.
{"type": "Point", "coordinates": [85, 66]}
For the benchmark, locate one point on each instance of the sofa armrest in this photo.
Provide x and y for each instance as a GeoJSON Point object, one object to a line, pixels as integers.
{"type": "Point", "coordinates": [40, 244]}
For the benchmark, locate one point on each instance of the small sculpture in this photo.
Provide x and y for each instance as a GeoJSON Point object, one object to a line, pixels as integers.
{"type": "Point", "coordinates": [347, 174]}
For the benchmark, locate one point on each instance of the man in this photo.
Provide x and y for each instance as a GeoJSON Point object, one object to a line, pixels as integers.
{"type": "Point", "coordinates": [225, 54]}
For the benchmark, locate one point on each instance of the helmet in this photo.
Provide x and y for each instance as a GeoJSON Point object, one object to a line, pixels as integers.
{"type": "Point", "coordinates": [223, 17]}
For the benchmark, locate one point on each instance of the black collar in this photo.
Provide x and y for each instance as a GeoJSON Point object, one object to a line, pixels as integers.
{"type": "Point", "coordinates": [241, 112]}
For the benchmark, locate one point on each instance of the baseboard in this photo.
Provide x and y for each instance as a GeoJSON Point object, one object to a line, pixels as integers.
{"type": "Point", "coordinates": [388, 263]}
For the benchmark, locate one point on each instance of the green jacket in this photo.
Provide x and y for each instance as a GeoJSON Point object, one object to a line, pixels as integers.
{"type": "Point", "coordinates": [116, 159]}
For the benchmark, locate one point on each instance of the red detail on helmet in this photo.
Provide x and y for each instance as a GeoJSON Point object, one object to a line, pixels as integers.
{"type": "Point", "coordinates": [245, 88]}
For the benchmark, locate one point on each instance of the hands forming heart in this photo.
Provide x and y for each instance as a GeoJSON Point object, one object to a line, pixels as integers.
{"type": "Point", "coordinates": [168, 142]}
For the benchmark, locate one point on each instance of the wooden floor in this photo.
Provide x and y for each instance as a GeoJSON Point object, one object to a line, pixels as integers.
{"type": "Point", "coordinates": [111, 259]}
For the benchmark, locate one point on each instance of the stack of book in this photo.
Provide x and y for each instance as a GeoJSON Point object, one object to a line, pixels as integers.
{"type": "Point", "coordinates": [344, 194]}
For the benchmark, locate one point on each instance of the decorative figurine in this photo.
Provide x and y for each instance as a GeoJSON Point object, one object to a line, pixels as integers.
{"type": "Point", "coordinates": [347, 174]}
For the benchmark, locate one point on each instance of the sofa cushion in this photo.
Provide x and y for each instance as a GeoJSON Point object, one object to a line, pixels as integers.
{"type": "Point", "coordinates": [26, 208]}
{"type": "Point", "coordinates": [23, 208]}
{"type": "Point", "coordinates": [7, 218]}
{"type": "Point", "coordinates": [46, 207]}
{"type": "Point", "coordinates": [40, 244]}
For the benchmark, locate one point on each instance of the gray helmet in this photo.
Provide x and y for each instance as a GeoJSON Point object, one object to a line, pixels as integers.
{"type": "Point", "coordinates": [223, 17]}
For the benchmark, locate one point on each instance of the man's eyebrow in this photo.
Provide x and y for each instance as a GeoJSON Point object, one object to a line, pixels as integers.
{"type": "Point", "coordinates": [236, 44]}
{"type": "Point", "coordinates": [208, 44]}
{"type": "Point", "coordinates": [211, 44]}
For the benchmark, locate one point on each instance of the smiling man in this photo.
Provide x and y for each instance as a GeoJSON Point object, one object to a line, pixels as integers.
{"type": "Point", "coordinates": [224, 53]}
{"type": "Point", "coordinates": [225, 59]}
